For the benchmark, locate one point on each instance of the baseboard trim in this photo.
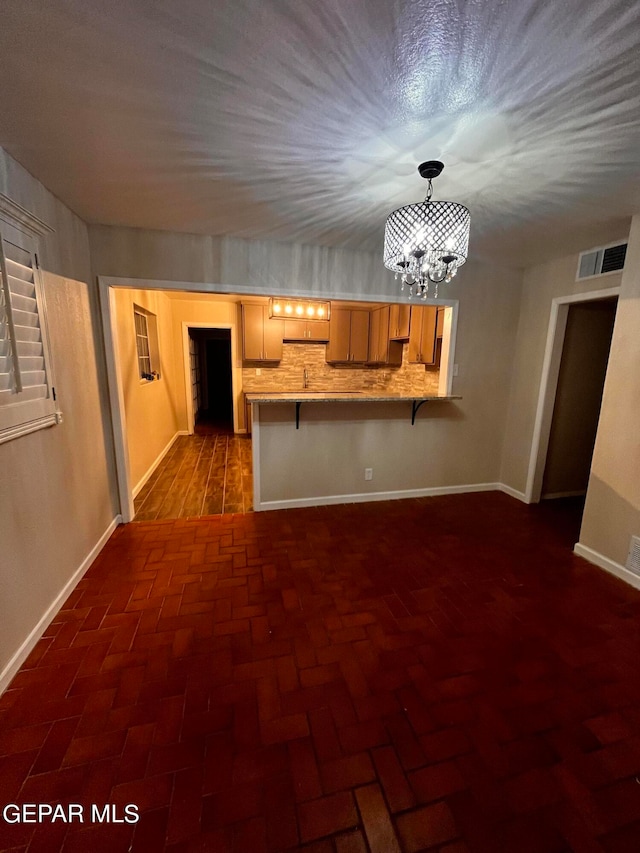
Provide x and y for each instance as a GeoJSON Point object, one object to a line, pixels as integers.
{"type": "Point", "coordinates": [514, 493]}
{"type": "Point", "coordinates": [552, 496]}
{"type": "Point", "coordinates": [29, 643]}
{"type": "Point", "coordinates": [145, 477]}
{"type": "Point", "coordinates": [608, 565]}
{"type": "Point", "coordinates": [365, 497]}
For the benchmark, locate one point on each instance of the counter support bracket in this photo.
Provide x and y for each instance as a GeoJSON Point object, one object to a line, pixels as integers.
{"type": "Point", "coordinates": [298, 404]}
{"type": "Point", "coordinates": [415, 405]}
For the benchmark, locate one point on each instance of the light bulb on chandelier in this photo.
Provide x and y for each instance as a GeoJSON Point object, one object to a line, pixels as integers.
{"type": "Point", "coordinates": [425, 243]}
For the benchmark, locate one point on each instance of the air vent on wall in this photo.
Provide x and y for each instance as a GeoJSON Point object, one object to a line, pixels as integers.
{"type": "Point", "coordinates": [602, 260]}
{"type": "Point", "coordinates": [633, 560]}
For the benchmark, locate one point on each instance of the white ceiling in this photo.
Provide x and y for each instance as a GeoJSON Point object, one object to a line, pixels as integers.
{"type": "Point", "coordinates": [305, 119]}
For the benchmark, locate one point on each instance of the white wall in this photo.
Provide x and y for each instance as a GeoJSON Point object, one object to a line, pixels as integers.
{"type": "Point", "coordinates": [57, 486]}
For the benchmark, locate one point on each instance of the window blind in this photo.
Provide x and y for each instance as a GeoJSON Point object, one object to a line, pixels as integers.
{"type": "Point", "coordinates": [24, 369]}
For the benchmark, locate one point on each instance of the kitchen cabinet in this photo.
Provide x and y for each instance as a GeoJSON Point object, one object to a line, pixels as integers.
{"type": "Point", "coordinates": [348, 335]}
{"type": "Point", "coordinates": [399, 316]}
{"type": "Point", "coordinates": [261, 335]}
{"type": "Point", "coordinates": [422, 335]}
{"type": "Point", "coordinates": [440, 323]}
{"type": "Point", "coordinates": [382, 350]}
{"type": "Point", "coordinates": [306, 330]}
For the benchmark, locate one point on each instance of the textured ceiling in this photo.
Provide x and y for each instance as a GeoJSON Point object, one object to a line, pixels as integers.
{"type": "Point", "coordinates": [301, 120]}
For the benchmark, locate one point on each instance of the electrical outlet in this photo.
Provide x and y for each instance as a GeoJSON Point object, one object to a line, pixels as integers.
{"type": "Point", "coordinates": [368, 473]}
{"type": "Point", "coordinates": [258, 371]}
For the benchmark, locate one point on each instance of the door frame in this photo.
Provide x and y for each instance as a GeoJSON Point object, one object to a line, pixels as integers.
{"type": "Point", "coordinates": [187, 369]}
{"type": "Point", "coordinates": [549, 384]}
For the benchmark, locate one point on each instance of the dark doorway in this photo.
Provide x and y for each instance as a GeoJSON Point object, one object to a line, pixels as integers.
{"type": "Point", "coordinates": [211, 380]}
{"type": "Point", "coordinates": [576, 411]}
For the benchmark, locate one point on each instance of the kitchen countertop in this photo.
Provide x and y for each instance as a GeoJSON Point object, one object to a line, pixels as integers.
{"type": "Point", "coordinates": [339, 397]}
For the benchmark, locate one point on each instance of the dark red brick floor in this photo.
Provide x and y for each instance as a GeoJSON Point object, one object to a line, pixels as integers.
{"type": "Point", "coordinates": [435, 674]}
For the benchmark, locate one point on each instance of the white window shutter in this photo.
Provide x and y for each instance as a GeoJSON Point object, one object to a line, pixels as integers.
{"type": "Point", "coordinates": [26, 396]}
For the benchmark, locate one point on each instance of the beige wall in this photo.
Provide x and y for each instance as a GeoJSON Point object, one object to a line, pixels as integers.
{"type": "Point", "coordinates": [612, 510]}
{"type": "Point", "coordinates": [241, 266]}
{"type": "Point", "coordinates": [541, 284]}
{"type": "Point", "coordinates": [57, 486]}
{"type": "Point", "coordinates": [578, 397]}
{"type": "Point", "coordinates": [151, 408]}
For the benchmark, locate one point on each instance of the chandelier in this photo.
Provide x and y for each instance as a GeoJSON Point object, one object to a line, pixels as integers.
{"type": "Point", "coordinates": [426, 242]}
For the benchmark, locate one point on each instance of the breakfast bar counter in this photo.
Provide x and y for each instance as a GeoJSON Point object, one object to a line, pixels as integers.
{"type": "Point", "coordinates": [346, 446]}
{"type": "Point", "coordinates": [307, 396]}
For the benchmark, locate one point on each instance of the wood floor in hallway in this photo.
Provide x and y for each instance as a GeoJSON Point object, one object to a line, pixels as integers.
{"type": "Point", "coordinates": [200, 475]}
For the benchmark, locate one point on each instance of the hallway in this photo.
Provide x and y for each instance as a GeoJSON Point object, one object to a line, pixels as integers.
{"type": "Point", "coordinates": [202, 474]}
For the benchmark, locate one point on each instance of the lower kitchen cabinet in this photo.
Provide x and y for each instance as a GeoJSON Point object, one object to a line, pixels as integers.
{"type": "Point", "coordinates": [422, 335]}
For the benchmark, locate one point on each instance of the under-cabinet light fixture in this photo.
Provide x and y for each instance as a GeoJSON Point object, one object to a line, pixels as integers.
{"type": "Point", "coordinates": [299, 309]}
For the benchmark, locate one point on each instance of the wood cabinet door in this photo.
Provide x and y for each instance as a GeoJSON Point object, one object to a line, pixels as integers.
{"type": "Point", "coordinates": [273, 334]}
{"type": "Point", "coordinates": [422, 335]}
{"type": "Point", "coordinates": [428, 337]}
{"type": "Point", "coordinates": [415, 334]}
{"type": "Point", "coordinates": [339, 334]}
{"type": "Point", "coordinates": [383, 334]}
{"type": "Point", "coordinates": [295, 330]}
{"type": "Point", "coordinates": [440, 323]}
{"type": "Point", "coordinates": [359, 335]}
{"type": "Point", "coordinates": [399, 322]}
{"type": "Point", "coordinates": [318, 330]}
{"type": "Point", "coordinates": [374, 336]}
{"type": "Point", "coordinates": [404, 313]}
{"type": "Point", "coordinates": [394, 321]}
{"type": "Point", "coordinates": [252, 332]}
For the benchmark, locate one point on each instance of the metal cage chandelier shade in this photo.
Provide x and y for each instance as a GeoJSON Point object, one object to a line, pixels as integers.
{"type": "Point", "coordinates": [426, 242]}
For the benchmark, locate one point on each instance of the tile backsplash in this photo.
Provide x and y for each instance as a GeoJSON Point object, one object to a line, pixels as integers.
{"type": "Point", "coordinates": [288, 375]}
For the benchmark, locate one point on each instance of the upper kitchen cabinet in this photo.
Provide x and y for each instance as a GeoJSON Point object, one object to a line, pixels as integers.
{"type": "Point", "coordinates": [306, 330]}
{"type": "Point", "coordinates": [422, 335]}
{"type": "Point", "coordinates": [399, 316]}
{"type": "Point", "coordinates": [382, 350]}
{"type": "Point", "coordinates": [261, 335]}
{"type": "Point", "coordinates": [440, 323]}
{"type": "Point", "coordinates": [348, 335]}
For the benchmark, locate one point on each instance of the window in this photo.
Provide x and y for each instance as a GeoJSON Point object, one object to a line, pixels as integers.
{"type": "Point", "coordinates": [146, 344]}
{"type": "Point", "coordinates": [27, 397]}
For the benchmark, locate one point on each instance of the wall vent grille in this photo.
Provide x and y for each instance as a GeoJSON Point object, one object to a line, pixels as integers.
{"type": "Point", "coordinates": [601, 260]}
{"type": "Point", "coordinates": [633, 560]}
